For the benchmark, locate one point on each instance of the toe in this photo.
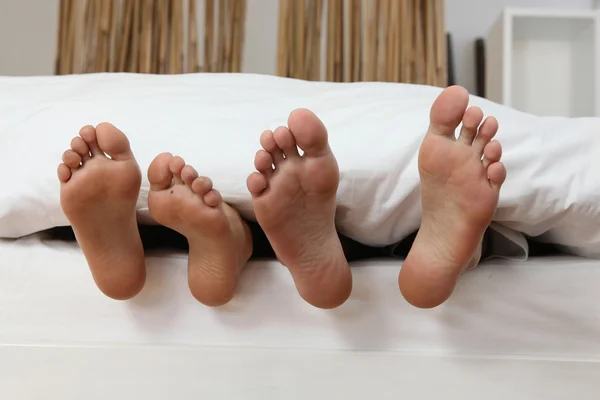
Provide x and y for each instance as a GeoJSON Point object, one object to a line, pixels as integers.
{"type": "Point", "coordinates": [263, 162]}
{"type": "Point", "coordinates": [212, 198]}
{"type": "Point", "coordinates": [80, 147]}
{"type": "Point", "coordinates": [471, 122]}
{"type": "Point", "coordinates": [256, 183]}
{"type": "Point", "coordinates": [492, 153]}
{"type": "Point", "coordinates": [448, 110]}
{"type": "Point", "coordinates": [71, 159]}
{"type": "Point", "coordinates": [267, 141]}
{"type": "Point", "coordinates": [113, 142]}
{"type": "Point", "coordinates": [159, 175]}
{"type": "Point", "coordinates": [309, 132]}
{"type": "Point", "coordinates": [176, 166]}
{"type": "Point", "coordinates": [64, 173]}
{"type": "Point", "coordinates": [188, 174]}
{"type": "Point", "coordinates": [487, 131]}
{"type": "Point", "coordinates": [202, 185]}
{"type": "Point", "coordinates": [88, 134]}
{"type": "Point", "coordinates": [496, 174]}
{"type": "Point", "coordinates": [286, 142]}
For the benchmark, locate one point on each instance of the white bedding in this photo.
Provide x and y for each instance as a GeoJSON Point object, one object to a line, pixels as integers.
{"type": "Point", "coordinates": [518, 330]}
{"type": "Point", "coordinates": [539, 309]}
{"type": "Point", "coordinates": [214, 121]}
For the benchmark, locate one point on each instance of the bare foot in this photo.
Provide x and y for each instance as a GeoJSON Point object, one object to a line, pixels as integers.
{"type": "Point", "coordinates": [459, 196]}
{"type": "Point", "coordinates": [220, 242]}
{"type": "Point", "coordinates": [98, 195]}
{"type": "Point", "coordinates": [295, 206]}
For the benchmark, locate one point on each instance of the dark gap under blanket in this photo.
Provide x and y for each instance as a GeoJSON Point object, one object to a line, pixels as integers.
{"type": "Point", "coordinates": [155, 237]}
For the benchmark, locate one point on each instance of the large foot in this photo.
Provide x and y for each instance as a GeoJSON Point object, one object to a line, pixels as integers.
{"type": "Point", "coordinates": [460, 184]}
{"type": "Point", "coordinates": [295, 206]}
{"type": "Point", "coordinates": [220, 242]}
{"type": "Point", "coordinates": [100, 183]}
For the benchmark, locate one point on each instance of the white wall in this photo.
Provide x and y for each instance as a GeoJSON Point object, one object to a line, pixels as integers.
{"type": "Point", "coordinates": [469, 19]}
{"type": "Point", "coordinates": [28, 39]}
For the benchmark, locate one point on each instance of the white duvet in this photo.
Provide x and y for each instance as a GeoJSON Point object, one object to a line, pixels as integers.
{"type": "Point", "coordinates": [214, 121]}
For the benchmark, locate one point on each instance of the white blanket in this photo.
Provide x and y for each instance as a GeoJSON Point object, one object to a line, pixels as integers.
{"type": "Point", "coordinates": [214, 121]}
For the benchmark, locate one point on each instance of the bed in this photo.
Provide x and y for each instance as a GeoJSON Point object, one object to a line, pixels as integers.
{"type": "Point", "coordinates": [512, 330]}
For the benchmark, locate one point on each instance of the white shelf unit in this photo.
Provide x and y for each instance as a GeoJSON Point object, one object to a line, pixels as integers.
{"type": "Point", "coordinates": [545, 62]}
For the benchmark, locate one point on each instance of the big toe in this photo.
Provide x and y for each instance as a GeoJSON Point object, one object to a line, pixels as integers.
{"type": "Point", "coordinates": [113, 142]}
{"type": "Point", "coordinates": [309, 131]}
{"type": "Point", "coordinates": [448, 110]}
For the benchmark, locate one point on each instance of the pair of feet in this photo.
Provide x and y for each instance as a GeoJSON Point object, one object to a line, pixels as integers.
{"type": "Point", "coordinates": [294, 200]}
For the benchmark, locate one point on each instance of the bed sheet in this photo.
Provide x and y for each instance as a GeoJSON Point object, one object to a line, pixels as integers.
{"type": "Point", "coordinates": [544, 308]}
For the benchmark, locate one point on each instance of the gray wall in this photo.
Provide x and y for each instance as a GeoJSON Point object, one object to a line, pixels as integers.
{"type": "Point", "coordinates": [469, 19]}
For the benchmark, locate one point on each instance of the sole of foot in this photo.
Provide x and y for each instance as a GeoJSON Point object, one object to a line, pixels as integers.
{"type": "Point", "coordinates": [100, 183]}
{"type": "Point", "coordinates": [220, 242]}
{"type": "Point", "coordinates": [294, 200]}
{"type": "Point", "coordinates": [460, 184]}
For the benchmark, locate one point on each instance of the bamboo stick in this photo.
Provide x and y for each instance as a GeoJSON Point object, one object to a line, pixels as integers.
{"type": "Point", "coordinates": [179, 42]}
{"type": "Point", "coordinates": [67, 43]}
{"type": "Point", "coordinates": [62, 27]}
{"type": "Point", "coordinates": [339, 45]}
{"type": "Point", "coordinates": [383, 33]}
{"type": "Point", "coordinates": [86, 34]}
{"type": "Point", "coordinates": [310, 28]}
{"type": "Point", "coordinates": [230, 25]}
{"type": "Point", "coordinates": [134, 48]}
{"type": "Point", "coordinates": [126, 35]}
{"type": "Point", "coordinates": [145, 43]}
{"type": "Point", "coordinates": [431, 33]}
{"type": "Point", "coordinates": [335, 30]}
{"type": "Point", "coordinates": [242, 32]}
{"type": "Point", "coordinates": [349, 43]}
{"type": "Point", "coordinates": [370, 60]}
{"type": "Point", "coordinates": [441, 48]}
{"type": "Point", "coordinates": [156, 29]}
{"type": "Point", "coordinates": [293, 39]}
{"type": "Point", "coordinates": [148, 29]}
{"type": "Point", "coordinates": [70, 40]}
{"type": "Point", "coordinates": [163, 51]}
{"type": "Point", "coordinates": [366, 40]}
{"type": "Point", "coordinates": [103, 39]}
{"type": "Point", "coordinates": [282, 38]}
{"type": "Point", "coordinates": [98, 37]}
{"type": "Point", "coordinates": [79, 24]}
{"type": "Point", "coordinates": [176, 42]}
{"type": "Point", "coordinates": [115, 24]}
{"type": "Point", "coordinates": [193, 65]}
{"type": "Point", "coordinates": [313, 40]}
{"type": "Point", "coordinates": [393, 57]}
{"type": "Point", "coordinates": [172, 59]}
{"type": "Point", "coordinates": [209, 31]}
{"type": "Point", "coordinates": [92, 43]}
{"type": "Point", "coordinates": [92, 39]}
{"type": "Point", "coordinates": [316, 69]}
{"type": "Point", "coordinates": [233, 32]}
{"type": "Point", "coordinates": [420, 43]}
{"type": "Point", "coordinates": [407, 42]}
{"type": "Point", "coordinates": [238, 35]}
{"type": "Point", "coordinates": [300, 39]}
{"type": "Point", "coordinates": [222, 36]}
{"type": "Point", "coordinates": [330, 57]}
{"type": "Point", "coordinates": [357, 27]}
